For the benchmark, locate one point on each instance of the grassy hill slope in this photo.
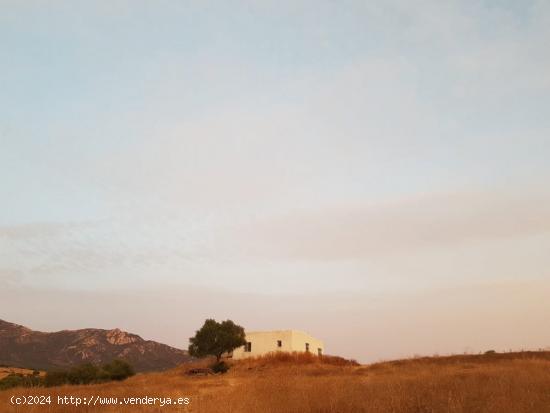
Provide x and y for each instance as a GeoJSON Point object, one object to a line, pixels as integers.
{"type": "Point", "coordinates": [512, 383]}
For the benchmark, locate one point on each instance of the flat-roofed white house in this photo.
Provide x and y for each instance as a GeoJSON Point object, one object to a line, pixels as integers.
{"type": "Point", "coordinates": [262, 342]}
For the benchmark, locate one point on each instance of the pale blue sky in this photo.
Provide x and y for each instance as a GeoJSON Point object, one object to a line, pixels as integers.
{"type": "Point", "coordinates": [273, 148]}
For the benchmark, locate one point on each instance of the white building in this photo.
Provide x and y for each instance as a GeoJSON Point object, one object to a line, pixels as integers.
{"type": "Point", "coordinates": [262, 342]}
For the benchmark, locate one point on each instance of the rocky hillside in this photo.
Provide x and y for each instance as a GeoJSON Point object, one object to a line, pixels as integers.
{"type": "Point", "coordinates": [23, 347]}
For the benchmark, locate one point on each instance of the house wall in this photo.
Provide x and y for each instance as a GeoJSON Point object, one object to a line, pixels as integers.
{"type": "Point", "coordinates": [299, 340]}
{"type": "Point", "coordinates": [264, 342]}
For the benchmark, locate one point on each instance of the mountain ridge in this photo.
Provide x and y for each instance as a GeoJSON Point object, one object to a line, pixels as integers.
{"type": "Point", "coordinates": [23, 347]}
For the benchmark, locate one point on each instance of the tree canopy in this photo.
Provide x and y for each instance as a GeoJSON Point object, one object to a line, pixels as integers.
{"type": "Point", "coordinates": [215, 339]}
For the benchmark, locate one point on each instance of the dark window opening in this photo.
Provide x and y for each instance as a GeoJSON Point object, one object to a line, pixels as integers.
{"type": "Point", "coordinates": [248, 347]}
{"type": "Point", "coordinates": [279, 343]}
{"type": "Point", "coordinates": [319, 352]}
{"type": "Point", "coordinates": [307, 346]}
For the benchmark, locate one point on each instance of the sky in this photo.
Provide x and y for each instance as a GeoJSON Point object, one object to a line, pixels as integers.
{"type": "Point", "coordinates": [373, 173]}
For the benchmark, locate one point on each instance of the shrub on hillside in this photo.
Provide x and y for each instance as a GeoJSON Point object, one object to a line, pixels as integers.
{"type": "Point", "coordinates": [19, 380]}
{"type": "Point", "coordinates": [84, 374]}
{"type": "Point", "coordinates": [56, 378]}
{"type": "Point", "coordinates": [11, 380]}
{"type": "Point", "coordinates": [118, 370]}
{"type": "Point", "coordinates": [90, 373]}
{"type": "Point", "coordinates": [220, 367]}
{"type": "Point", "coordinates": [296, 358]}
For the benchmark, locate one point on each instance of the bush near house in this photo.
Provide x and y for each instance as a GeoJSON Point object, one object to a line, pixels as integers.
{"type": "Point", "coordinates": [220, 367]}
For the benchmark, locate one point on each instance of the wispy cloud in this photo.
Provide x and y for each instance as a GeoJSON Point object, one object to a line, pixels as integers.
{"type": "Point", "coordinates": [430, 221]}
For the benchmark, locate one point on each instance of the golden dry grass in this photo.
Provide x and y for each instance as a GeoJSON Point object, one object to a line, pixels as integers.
{"type": "Point", "coordinates": [510, 383]}
{"type": "Point", "coordinates": [6, 371]}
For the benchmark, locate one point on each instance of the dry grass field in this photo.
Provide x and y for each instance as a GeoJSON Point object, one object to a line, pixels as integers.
{"type": "Point", "coordinates": [503, 383]}
{"type": "Point", "coordinates": [5, 371]}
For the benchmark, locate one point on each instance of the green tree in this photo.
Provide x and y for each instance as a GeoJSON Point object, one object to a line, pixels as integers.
{"type": "Point", "coordinates": [214, 339]}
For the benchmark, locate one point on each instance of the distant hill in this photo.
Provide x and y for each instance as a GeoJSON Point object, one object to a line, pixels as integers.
{"type": "Point", "coordinates": [23, 347]}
